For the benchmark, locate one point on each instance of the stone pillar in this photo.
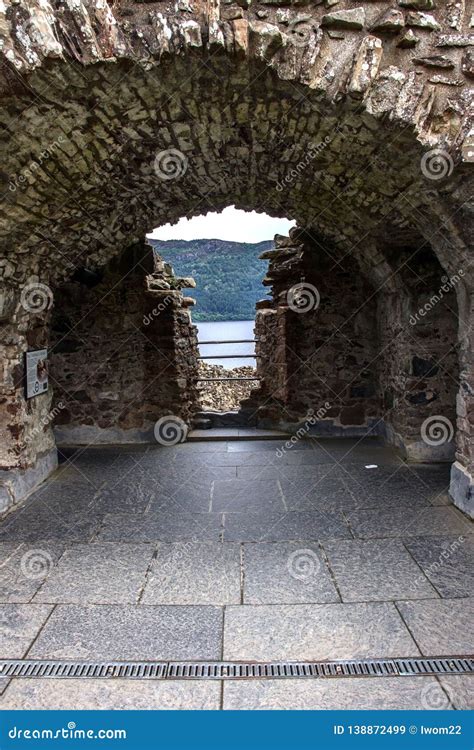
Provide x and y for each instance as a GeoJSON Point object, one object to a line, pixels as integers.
{"type": "Point", "coordinates": [27, 449]}
{"type": "Point", "coordinates": [272, 355]}
{"type": "Point", "coordinates": [271, 331]}
{"type": "Point", "coordinates": [462, 472]}
{"type": "Point", "coordinates": [171, 350]}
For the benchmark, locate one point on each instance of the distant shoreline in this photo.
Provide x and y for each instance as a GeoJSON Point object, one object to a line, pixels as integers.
{"type": "Point", "coordinates": [228, 276]}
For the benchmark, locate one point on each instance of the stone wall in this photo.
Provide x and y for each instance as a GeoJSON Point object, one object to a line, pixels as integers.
{"type": "Point", "coordinates": [317, 343]}
{"type": "Point", "coordinates": [462, 471]}
{"type": "Point", "coordinates": [419, 362]}
{"type": "Point", "coordinates": [27, 450]}
{"type": "Point", "coordinates": [362, 356]}
{"type": "Point", "coordinates": [123, 352]}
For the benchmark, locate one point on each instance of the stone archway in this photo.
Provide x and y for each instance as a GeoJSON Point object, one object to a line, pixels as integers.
{"type": "Point", "coordinates": [355, 121]}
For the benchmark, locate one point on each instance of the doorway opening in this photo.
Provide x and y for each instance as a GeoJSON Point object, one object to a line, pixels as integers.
{"type": "Point", "coordinates": [224, 254]}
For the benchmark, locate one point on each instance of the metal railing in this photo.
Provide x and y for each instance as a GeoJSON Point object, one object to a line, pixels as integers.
{"type": "Point", "coordinates": [228, 356]}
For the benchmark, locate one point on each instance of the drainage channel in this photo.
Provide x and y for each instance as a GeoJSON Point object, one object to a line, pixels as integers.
{"type": "Point", "coordinates": [229, 670]}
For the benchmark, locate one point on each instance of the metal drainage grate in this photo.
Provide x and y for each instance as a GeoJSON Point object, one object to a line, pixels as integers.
{"type": "Point", "coordinates": [231, 670]}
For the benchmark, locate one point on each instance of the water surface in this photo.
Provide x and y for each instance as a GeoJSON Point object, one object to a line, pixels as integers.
{"type": "Point", "coordinates": [227, 331]}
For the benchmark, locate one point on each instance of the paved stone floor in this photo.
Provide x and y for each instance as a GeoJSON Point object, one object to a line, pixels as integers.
{"type": "Point", "coordinates": [238, 550]}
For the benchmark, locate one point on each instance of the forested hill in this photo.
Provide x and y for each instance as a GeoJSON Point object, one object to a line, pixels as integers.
{"type": "Point", "coordinates": [228, 275]}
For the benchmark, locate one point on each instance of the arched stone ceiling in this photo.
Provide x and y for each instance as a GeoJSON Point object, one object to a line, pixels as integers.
{"type": "Point", "coordinates": [328, 119]}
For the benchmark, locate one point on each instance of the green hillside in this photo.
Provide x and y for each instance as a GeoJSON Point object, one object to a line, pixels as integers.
{"type": "Point", "coordinates": [228, 275]}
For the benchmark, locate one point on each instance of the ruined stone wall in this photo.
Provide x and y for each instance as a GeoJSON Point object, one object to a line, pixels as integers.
{"type": "Point", "coordinates": [462, 471]}
{"type": "Point", "coordinates": [321, 334]}
{"type": "Point", "coordinates": [271, 351]}
{"type": "Point", "coordinates": [362, 355]}
{"type": "Point", "coordinates": [26, 439]}
{"type": "Point", "coordinates": [419, 358]}
{"type": "Point", "coordinates": [123, 355]}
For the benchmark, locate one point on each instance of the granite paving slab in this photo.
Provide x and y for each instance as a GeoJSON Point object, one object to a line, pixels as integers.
{"type": "Point", "coordinates": [284, 471]}
{"type": "Point", "coordinates": [243, 458]}
{"type": "Point", "coordinates": [130, 632]}
{"type": "Point", "coordinates": [239, 495]}
{"type": "Point", "coordinates": [69, 472]}
{"type": "Point", "coordinates": [152, 461]}
{"type": "Point", "coordinates": [133, 497]}
{"type": "Point", "coordinates": [194, 573]}
{"type": "Point", "coordinates": [286, 572]}
{"type": "Point", "coordinates": [19, 626]}
{"type": "Point", "coordinates": [206, 446]}
{"type": "Point", "coordinates": [402, 522]}
{"type": "Point", "coordinates": [459, 690]}
{"type": "Point", "coordinates": [75, 496]}
{"type": "Point", "coordinates": [374, 476]}
{"type": "Point", "coordinates": [376, 570]}
{"type": "Point", "coordinates": [307, 458]}
{"type": "Point", "coordinates": [167, 525]}
{"type": "Point", "coordinates": [36, 522]}
{"type": "Point", "coordinates": [187, 473]}
{"type": "Point", "coordinates": [280, 527]}
{"type": "Point", "coordinates": [276, 446]}
{"type": "Point", "coordinates": [316, 631]}
{"type": "Point", "coordinates": [358, 450]}
{"type": "Point", "coordinates": [107, 573]}
{"type": "Point", "coordinates": [389, 496]}
{"type": "Point", "coordinates": [448, 562]}
{"type": "Point", "coordinates": [91, 463]}
{"type": "Point", "coordinates": [440, 626]}
{"type": "Point", "coordinates": [430, 481]}
{"type": "Point", "coordinates": [24, 567]}
{"type": "Point", "coordinates": [387, 693]}
{"type": "Point", "coordinates": [117, 695]}
{"type": "Point", "coordinates": [384, 487]}
{"type": "Point", "coordinates": [323, 492]}
{"type": "Point", "coordinates": [188, 495]}
{"type": "Point", "coordinates": [436, 476]}
{"type": "Point", "coordinates": [438, 497]}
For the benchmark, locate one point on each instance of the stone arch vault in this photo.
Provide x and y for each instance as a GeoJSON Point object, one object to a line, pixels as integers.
{"type": "Point", "coordinates": [355, 120]}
